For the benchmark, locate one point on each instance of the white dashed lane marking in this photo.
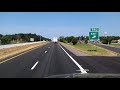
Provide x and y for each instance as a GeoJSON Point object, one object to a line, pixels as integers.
{"type": "Point", "coordinates": [45, 51]}
{"type": "Point", "coordinates": [34, 65]}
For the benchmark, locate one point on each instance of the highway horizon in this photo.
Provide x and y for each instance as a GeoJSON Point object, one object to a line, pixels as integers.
{"type": "Point", "coordinates": [54, 59]}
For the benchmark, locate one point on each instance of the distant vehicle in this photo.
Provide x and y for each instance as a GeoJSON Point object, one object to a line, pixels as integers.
{"type": "Point", "coordinates": [55, 40]}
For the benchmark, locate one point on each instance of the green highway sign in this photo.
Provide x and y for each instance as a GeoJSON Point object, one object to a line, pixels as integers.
{"type": "Point", "coordinates": [93, 35]}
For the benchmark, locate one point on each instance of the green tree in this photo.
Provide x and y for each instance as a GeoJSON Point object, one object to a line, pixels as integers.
{"type": "Point", "coordinates": [69, 39]}
{"type": "Point", "coordinates": [61, 39]}
{"type": "Point", "coordinates": [74, 41]}
{"type": "Point", "coordinates": [87, 37]}
{"type": "Point", "coordinates": [104, 41]}
{"type": "Point", "coordinates": [5, 40]}
{"type": "Point", "coordinates": [20, 37]}
{"type": "Point", "coordinates": [1, 35]}
{"type": "Point", "coordinates": [86, 41]}
{"type": "Point", "coordinates": [109, 40]}
{"type": "Point", "coordinates": [82, 38]}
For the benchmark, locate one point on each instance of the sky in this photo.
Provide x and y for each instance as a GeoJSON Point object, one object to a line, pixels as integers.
{"type": "Point", "coordinates": [55, 24]}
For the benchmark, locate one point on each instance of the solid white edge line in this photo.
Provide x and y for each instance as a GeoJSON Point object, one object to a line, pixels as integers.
{"type": "Point", "coordinates": [83, 71]}
{"type": "Point", "coordinates": [34, 65]}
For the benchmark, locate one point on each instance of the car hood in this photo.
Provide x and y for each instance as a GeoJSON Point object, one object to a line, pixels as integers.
{"type": "Point", "coordinates": [88, 75]}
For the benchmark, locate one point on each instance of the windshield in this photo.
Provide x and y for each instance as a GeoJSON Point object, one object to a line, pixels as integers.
{"type": "Point", "coordinates": [59, 44]}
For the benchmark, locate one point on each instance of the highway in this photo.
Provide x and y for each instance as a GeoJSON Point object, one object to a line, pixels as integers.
{"type": "Point", "coordinates": [54, 59]}
{"type": "Point", "coordinates": [114, 49]}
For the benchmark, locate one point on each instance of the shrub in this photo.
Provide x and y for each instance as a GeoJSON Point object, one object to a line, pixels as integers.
{"type": "Point", "coordinates": [104, 41]}
{"type": "Point", "coordinates": [86, 41]}
{"type": "Point", "coordinates": [74, 41]}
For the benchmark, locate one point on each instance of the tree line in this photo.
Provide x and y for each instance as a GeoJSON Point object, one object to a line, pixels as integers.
{"type": "Point", "coordinates": [74, 40]}
{"type": "Point", "coordinates": [20, 38]}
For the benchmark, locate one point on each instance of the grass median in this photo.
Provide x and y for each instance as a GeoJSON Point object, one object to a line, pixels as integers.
{"type": "Point", "coordinates": [91, 49]}
{"type": "Point", "coordinates": [15, 50]}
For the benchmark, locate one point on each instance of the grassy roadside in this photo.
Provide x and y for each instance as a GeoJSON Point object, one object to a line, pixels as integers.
{"type": "Point", "coordinates": [90, 49]}
{"type": "Point", "coordinates": [15, 50]}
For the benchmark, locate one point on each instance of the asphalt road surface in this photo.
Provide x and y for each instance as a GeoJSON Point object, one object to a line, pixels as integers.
{"type": "Point", "coordinates": [54, 59]}
{"type": "Point", "coordinates": [115, 49]}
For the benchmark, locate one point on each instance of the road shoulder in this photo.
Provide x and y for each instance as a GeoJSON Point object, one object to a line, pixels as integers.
{"type": "Point", "coordinates": [74, 50]}
{"type": "Point", "coordinates": [8, 52]}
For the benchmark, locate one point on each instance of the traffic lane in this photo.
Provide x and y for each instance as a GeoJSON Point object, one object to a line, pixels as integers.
{"type": "Point", "coordinates": [55, 62]}
{"type": "Point", "coordinates": [14, 67]}
{"type": "Point", "coordinates": [23, 52]}
{"type": "Point", "coordinates": [98, 64]}
{"type": "Point", "coordinates": [39, 60]}
{"type": "Point", "coordinates": [110, 48]}
{"type": "Point", "coordinates": [21, 66]}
